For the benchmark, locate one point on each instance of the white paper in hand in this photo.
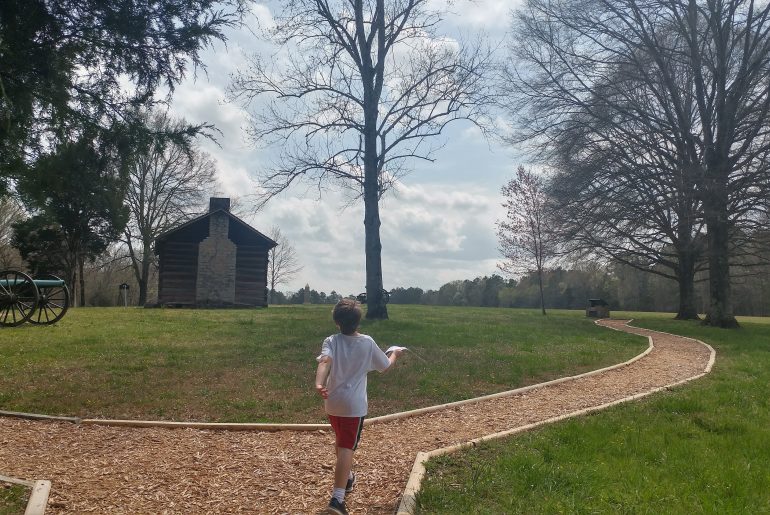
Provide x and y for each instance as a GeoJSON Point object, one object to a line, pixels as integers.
{"type": "Point", "coordinates": [394, 347]}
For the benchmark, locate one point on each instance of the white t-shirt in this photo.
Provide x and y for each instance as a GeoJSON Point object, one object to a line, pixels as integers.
{"type": "Point", "coordinates": [353, 357]}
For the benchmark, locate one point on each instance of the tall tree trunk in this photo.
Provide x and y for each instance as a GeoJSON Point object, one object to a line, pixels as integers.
{"type": "Point", "coordinates": [372, 77]}
{"type": "Point", "coordinates": [144, 279]}
{"type": "Point", "coordinates": [135, 265]}
{"type": "Point", "coordinates": [144, 274]}
{"type": "Point", "coordinates": [71, 280]}
{"type": "Point", "coordinates": [82, 282]}
{"type": "Point", "coordinates": [686, 275]}
{"type": "Point", "coordinates": [70, 276]}
{"type": "Point", "coordinates": [542, 296]}
{"type": "Point", "coordinates": [375, 301]}
{"type": "Point", "coordinates": [720, 313]}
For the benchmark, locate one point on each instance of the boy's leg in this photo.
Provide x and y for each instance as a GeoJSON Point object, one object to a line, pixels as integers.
{"type": "Point", "coordinates": [343, 467]}
{"type": "Point", "coordinates": [347, 432]}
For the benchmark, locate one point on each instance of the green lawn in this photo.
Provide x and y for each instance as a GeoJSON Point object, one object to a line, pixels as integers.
{"type": "Point", "coordinates": [702, 448]}
{"type": "Point", "coordinates": [258, 365]}
{"type": "Point", "coordinates": [13, 499]}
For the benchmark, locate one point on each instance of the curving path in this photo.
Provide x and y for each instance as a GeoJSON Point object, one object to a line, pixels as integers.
{"type": "Point", "coordinates": [98, 469]}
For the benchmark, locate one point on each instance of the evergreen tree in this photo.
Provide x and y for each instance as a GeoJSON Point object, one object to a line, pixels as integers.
{"type": "Point", "coordinates": [77, 193]}
{"type": "Point", "coordinates": [63, 64]}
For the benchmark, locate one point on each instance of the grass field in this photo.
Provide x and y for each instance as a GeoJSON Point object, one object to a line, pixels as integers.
{"type": "Point", "coordinates": [258, 365]}
{"type": "Point", "coordinates": [13, 499]}
{"type": "Point", "coordinates": [702, 448]}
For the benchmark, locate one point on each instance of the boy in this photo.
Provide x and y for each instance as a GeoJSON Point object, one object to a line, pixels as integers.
{"type": "Point", "coordinates": [346, 358]}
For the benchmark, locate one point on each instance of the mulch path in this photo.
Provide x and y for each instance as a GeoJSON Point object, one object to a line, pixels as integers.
{"type": "Point", "coordinates": [97, 469]}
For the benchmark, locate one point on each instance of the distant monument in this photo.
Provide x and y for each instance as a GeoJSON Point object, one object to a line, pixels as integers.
{"type": "Point", "coordinates": [306, 298]}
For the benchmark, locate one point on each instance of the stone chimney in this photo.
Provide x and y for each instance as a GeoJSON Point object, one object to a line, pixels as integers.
{"type": "Point", "coordinates": [215, 285]}
{"type": "Point", "coordinates": [216, 203]}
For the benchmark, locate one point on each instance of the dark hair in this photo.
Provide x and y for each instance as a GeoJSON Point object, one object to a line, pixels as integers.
{"type": "Point", "coordinates": [347, 313]}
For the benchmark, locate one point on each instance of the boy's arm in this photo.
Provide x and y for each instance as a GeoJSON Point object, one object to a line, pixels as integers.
{"type": "Point", "coordinates": [322, 374]}
{"type": "Point", "coordinates": [392, 357]}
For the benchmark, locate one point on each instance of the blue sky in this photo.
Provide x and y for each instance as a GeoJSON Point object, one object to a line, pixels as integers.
{"type": "Point", "coordinates": [438, 224]}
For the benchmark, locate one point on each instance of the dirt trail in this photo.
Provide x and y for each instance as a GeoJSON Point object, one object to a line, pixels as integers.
{"type": "Point", "coordinates": [123, 470]}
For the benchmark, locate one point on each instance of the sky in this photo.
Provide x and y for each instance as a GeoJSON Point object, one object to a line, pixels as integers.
{"type": "Point", "coordinates": [438, 223]}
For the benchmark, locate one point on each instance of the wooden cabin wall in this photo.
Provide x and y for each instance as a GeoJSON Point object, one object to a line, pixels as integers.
{"type": "Point", "coordinates": [251, 275]}
{"type": "Point", "coordinates": [178, 272]}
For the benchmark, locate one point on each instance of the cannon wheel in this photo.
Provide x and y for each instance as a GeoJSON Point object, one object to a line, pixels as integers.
{"type": "Point", "coordinates": [53, 304]}
{"type": "Point", "coordinates": [18, 298]}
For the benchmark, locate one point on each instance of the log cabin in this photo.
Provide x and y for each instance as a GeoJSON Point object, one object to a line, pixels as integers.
{"type": "Point", "coordinates": [213, 261]}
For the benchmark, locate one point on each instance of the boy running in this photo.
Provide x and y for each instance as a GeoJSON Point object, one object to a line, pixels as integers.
{"type": "Point", "coordinates": [345, 360]}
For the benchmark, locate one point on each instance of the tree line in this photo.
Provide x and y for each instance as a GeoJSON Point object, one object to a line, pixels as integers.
{"type": "Point", "coordinates": [564, 287]}
{"type": "Point", "coordinates": [623, 287]}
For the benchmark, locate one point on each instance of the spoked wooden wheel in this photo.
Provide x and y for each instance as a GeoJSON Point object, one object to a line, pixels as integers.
{"type": "Point", "coordinates": [54, 300]}
{"type": "Point", "coordinates": [18, 298]}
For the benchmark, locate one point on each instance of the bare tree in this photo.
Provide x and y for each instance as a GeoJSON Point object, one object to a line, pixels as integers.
{"type": "Point", "coordinates": [730, 52]}
{"type": "Point", "coordinates": [283, 263]}
{"type": "Point", "coordinates": [632, 206]}
{"type": "Point", "coordinates": [358, 90]}
{"type": "Point", "coordinates": [685, 83]}
{"type": "Point", "coordinates": [526, 241]}
{"type": "Point", "coordinates": [169, 181]}
{"type": "Point", "coordinates": [592, 103]}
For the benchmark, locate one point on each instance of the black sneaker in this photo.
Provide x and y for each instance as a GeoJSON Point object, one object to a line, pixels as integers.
{"type": "Point", "coordinates": [350, 484]}
{"type": "Point", "coordinates": [337, 507]}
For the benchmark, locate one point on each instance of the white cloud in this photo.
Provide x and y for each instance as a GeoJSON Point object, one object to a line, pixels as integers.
{"type": "Point", "coordinates": [439, 233]}
{"type": "Point", "coordinates": [260, 16]}
{"type": "Point", "coordinates": [441, 197]}
{"type": "Point", "coordinates": [235, 158]}
{"type": "Point", "coordinates": [202, 102]}
{"type": "Point", "coordinates": [489, 15]}
{"type": "Point", "coordinates": [430, 234]}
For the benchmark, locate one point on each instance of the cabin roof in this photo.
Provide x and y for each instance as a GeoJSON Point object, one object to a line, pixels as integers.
{"type": "Point", "coordinates": [249, 229]}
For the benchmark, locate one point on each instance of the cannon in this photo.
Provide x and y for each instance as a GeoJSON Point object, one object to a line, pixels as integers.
{"type": "Point", "coordinates": [361, 297]}
{"type": "Point", "coordinates": [42, 300]}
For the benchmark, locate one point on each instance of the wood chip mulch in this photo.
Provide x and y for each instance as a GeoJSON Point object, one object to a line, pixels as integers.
{"type": "Point", "coordinates": [97, 469]}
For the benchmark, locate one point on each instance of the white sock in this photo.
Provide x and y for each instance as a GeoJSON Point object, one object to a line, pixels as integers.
{"type": "Point", "coordinates": [339, 494]}
{"type": "Point", "coordinates": [350, 476]}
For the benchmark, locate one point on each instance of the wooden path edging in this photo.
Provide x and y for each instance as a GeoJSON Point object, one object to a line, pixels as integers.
{"type": "Point", "coordinates": [37, 416]}
{"type": "Point", "coordinates": [414, 483]}
{"type": "Point", "coordinates": [246, 426]}
{"type": "Point", "coordinates": [38, 497]}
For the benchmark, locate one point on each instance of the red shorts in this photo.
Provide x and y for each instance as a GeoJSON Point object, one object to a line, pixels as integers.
{"type": "Point", "coordinates": [347, 430]}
